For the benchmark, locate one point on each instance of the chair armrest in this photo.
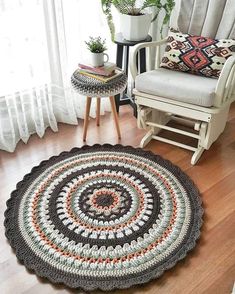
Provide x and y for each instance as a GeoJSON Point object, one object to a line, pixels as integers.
{"type": "Point", "coordinates": [225, 84]}
{"type": "Point", "coordinates": [134, 51]}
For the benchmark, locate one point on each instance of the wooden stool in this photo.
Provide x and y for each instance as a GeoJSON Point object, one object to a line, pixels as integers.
{"type": "Point", "coordinates": [86, 119]}
{"type": "Point", "coordinates": [93, 88]}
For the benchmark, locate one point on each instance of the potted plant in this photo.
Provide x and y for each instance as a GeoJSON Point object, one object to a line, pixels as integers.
{"type": "Point", "coordinates": [97, 46]}
{"type": "Point", "coordinates": [135, 21]}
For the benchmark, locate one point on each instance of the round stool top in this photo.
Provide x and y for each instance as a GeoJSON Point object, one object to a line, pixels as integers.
{"type": "Point", "coordinates": [121, 41]}
{"type": "Point", "coordinates": [92, 87]}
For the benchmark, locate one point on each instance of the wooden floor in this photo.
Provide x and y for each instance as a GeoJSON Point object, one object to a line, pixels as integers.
{"type": "Point", "coordinates": [210, 268]}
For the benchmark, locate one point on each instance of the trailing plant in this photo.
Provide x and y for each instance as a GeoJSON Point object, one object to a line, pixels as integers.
{"type": "Point", "coordinates": [96, 45]}
{"type": "Point", "coordinates": [131, 7]}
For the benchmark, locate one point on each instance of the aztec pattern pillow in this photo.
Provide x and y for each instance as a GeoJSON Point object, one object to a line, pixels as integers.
{"type": "Point", "coordinates": [195, 54]}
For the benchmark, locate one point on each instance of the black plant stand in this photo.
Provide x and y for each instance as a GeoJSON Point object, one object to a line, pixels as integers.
{"type": "Point", "coordinates": [122, 61]}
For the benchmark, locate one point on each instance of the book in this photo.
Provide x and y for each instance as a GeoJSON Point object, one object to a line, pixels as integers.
{"type": "Point", "coordinates": [97, 73]}
{"type": "Point", "coordinates": [103, 79]}
{"type": "Point", "coordinates": [105, 70]}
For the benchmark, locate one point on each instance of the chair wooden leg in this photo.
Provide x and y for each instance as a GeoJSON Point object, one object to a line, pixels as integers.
{"type": "Point", "coordinates": [98, 111]}
{"type": "Point", "coordinates": [115, 115]}
{"type": "Point", "coordinates": [146, 139]}
{"type": "Point", "coordinates": [86, 119]}
{"type": "Point", "coordinates": [197, 154]}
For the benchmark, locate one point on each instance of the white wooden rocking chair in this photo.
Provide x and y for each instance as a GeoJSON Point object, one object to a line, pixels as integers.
{"type": "Point", "coordinates": [155, 96]}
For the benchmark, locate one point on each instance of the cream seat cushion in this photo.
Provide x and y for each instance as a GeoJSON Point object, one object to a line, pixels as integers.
{"type": "Point", "coordinates": [178, 86]}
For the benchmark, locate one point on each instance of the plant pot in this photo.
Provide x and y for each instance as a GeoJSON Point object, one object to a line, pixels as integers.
{"type": "Point", "coordinates": [97, 59]}
{"type": "Point", "coordinates": [135, 27]}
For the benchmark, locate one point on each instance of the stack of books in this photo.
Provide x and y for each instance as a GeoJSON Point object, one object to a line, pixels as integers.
{"type": "Point", "coordinates": [104, 73]}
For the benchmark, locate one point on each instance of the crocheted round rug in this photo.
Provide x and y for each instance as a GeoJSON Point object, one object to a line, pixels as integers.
{"type": "Point", "coordinates": [103, 217]}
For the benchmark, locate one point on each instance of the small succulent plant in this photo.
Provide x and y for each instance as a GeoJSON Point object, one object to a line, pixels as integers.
{"type": "Point", "coordinates": [96, 44]}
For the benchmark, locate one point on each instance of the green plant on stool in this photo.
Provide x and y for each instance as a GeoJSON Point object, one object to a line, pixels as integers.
{"type": "Point", "coordinates": [97, 46]}
{"type": "Point", "coordinates": [135, 22]}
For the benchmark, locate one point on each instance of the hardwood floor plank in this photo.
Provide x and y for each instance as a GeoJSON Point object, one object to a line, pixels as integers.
{"type": "Point", "coordinates": [218, 286]}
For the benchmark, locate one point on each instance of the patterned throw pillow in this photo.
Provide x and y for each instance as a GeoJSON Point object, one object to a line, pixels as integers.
{"type": "Point", "coordinates": [195, 54]}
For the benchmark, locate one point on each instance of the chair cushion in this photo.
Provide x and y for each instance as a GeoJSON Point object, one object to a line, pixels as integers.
{"type": "Point", "coordinates": [195, 54]}
{"type": "Point", "coordinates": [177, 86]}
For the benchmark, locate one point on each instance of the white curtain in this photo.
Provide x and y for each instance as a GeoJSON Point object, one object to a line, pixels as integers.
{"type": "Point", "coordinates": [42, 41]}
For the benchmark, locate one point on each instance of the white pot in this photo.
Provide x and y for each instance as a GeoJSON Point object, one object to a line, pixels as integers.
{"type": "Point", "coordinates": [97, 59]}
{"type": "Point", "coordinates": [135, 28]}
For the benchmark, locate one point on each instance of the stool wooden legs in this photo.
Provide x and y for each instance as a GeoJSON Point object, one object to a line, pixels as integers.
{"type": "Point", "coordinates": [115, 115]}
{"type": "Point", "coordinates": [86, 119]}
{"type": "Point", "coordinates": [98, 111]}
